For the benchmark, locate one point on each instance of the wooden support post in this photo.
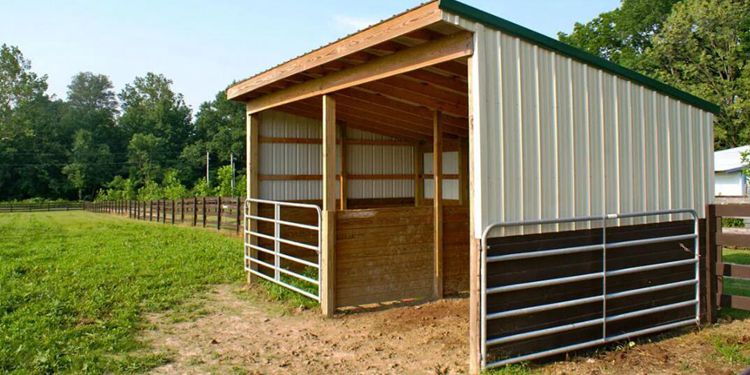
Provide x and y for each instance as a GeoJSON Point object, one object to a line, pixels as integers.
{"type": "Point", "coordinates": [238, 221]}
{"type": "Point", "coordinates": [343, 181]}
{"type": "Point", "coordinates": [173, 211]}
{"type": "Point", "coordinates": [182, 210]}
{"type": "Point", "coordinates": [195, 211]}
{"type": "Point", "coordinates": [327, 247]}
{"type": "Point", "coordinates": [419, 174]}
{"type": "Point", "coordinates": [710, 275]}
{"type": "Point", "coordinates": [204, 212]}
{"type": "Point", "coordinates": [253, 186]}
{"type": "Point", "coordinates": [463, 171]}
{"type": "Point", "coordinates": [475, 259]}
{"type": "Point", "coordinates": [218, 213]}
{"type": "Point", "coordinates": [437, 199]}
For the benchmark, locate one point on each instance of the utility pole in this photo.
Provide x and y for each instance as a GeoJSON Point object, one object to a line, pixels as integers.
{"type": "Point", "coordinates": [208, 162]}
{"type": "Point", "coordinates": [231, 162]}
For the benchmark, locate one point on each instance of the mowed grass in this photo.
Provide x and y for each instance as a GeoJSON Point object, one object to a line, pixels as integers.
{"type": "Point", "coordinates": [737, 287]}
{"type": "Point", "coordinates": [75, 286]}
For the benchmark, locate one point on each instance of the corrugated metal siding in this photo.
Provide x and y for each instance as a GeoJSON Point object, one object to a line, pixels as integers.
{"type": "Point", "coordinates": [450, 166]}
{"type": "Point", "coordinates": [305, 159]}
{"type": "Point", "coordinates": [558, 138]}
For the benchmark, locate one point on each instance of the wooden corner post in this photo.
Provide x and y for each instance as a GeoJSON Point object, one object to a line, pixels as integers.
{"type": "Point", "coordinates": [437, 199]}
{"type": "Point", "coordinates": [328, 230]}
{"type": "Point", "coordinates": [252, 189]}
{"type": "Point", "coordinates": [475, 247]}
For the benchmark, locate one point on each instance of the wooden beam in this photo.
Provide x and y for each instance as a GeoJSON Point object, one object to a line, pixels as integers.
{"type": "Point", "coordinates": [420, 17]}
{"type": "Point", "coordinates": [343, 173]}
{"type": "Point", "coordinates": [475, 247]}
{"type": "Point", "coordinates": [418, 174]}
{"type": "Point", "coordinates": [437, 199]}
{"type": "Point", "coordinates": [328, 258]}
{"type": "Point", "coordinates": [253, 185]}
{"type": "Point", "coordinates": [454, 108]}
{"type": "Point", "coordinates": [463, 171]}
{"type": "Point", "coordinates": [446, 49]}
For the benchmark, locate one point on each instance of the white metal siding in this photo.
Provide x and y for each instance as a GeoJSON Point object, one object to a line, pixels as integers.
{"type": "Point", "coordinates": [305, 159]}
{"type": "Point", "coordinates": [730, 184]}
{"type": "Point", "coordinates": [554, 137]}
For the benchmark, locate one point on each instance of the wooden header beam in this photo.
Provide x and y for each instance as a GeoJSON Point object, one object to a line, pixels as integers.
{"type": "Point", "coordinates": [397, 26]}
{"type": "Point", "coordinates": [445, 49]}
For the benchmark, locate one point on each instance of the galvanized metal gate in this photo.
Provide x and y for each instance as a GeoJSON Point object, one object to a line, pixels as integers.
{"type": "Point", "coordinates": [603, 247]}
{"type": "Point", "coordinates": [282, 275]}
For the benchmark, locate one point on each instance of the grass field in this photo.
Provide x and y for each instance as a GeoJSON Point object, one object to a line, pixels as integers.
{"type": "Point", "coordinates": [74, 287]}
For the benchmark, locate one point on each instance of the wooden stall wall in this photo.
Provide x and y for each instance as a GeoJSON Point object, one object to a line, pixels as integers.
{"type": "Point", "coordinates": [386, 254]}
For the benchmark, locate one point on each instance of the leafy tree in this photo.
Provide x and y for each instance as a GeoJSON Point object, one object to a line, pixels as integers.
{"type": "Point", "coordinates": [225, 176]}
{"type": "Point", "coordinates": [202, 189]}
{"type": "Point", "coordinates": [145, 156]}
{"type": "Point", "coordinates": [31, 143]}
{"type": "Point", "coordinates": [621, 35]}
{"type": "Point", "coordinates": [150, 191]}
{"type": "Point", "coordinates": [703, 49]}
{"type": "Point", "coordinates": [150, 107]}
{"type": "Point", "coordinates": [89, 163]}
{"type": "Point", "coordinates": [173, 188]}
{"type": "Point", "coordinates": [220, 130]}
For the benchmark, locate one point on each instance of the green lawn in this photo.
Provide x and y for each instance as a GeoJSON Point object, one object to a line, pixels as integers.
{"type": "Point", "coordinates": [737, 287]}
{"type": "Point", "coordinates": [74, 287]}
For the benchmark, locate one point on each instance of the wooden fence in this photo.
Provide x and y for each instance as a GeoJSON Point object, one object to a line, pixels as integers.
{"type": "Point", "coordinates": [717, 238]}
{"type": "Point", "coordinates": [221, 213]}
{"type": "Point", "coordinates": [45, 206]}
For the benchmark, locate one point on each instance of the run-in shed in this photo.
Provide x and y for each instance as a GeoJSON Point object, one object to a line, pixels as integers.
{"type": "Point", "coordinates": [412, 158]}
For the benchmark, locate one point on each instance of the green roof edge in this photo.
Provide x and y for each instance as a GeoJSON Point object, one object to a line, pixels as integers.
{"type": "Point", "coordinates": [495, 22]}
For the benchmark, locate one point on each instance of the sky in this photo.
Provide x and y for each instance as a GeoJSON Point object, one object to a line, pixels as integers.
{"type": "Point", "coordinates": [202, 46]}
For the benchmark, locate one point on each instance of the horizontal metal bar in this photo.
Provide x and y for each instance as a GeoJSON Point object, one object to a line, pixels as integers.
{"type": "Point", "coordinates": [648, 241]}
{"type": "Point", "coordinates": [529, 357]}
{"type": "Point", "coordinates": [284, 256]}
{"type": "Point", "coordinates": [655, 213]}
{"type": "Point", "coordinates": [635, 314]}
{"type": "Point", "coordinates": [543, 253]}
{"type": "Point", "coordinates": [646, 331]}
{"type": "Point", "coordinates": [282, 240]}
{"type": "Point", "coordinates": [292, 287]}
{"type": "Point", "coordinates": [544, 332]}
{"type": "Point", "coordinates": [650, 289]}
{"type": "Point", "coordinates": [587, 344]}
{"type": "Point", "coordinates": [540, 308]}
{"type": "Point", "coordinates": [651, 267]}
{"type": "Point", "coordinates": [283, 270]}
{"type": "Point", "coordinates": [282, 203]}
{"type": "Point", "coordinates": [283, 222]}
{"type": "Point", "coordinates": [548, 282]}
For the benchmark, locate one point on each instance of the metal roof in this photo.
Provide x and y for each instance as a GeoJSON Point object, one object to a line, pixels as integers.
{"type": "Point", "coordinates": [729, 160]}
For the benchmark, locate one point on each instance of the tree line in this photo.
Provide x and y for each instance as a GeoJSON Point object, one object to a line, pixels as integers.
{"type": "Point", "coordinates": [144, 142]}
{"type": "Point", "coordinates": [140, 143]}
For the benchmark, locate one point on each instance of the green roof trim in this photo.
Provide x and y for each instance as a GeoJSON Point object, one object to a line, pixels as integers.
{"type": "Point", "coordinates": [495, 22]}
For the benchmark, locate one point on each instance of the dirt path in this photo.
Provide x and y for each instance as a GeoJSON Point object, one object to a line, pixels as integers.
{"type": "Point", "coordinates": [236, 335]}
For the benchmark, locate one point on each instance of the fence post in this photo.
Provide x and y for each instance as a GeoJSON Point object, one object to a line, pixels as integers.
{"type": "Point", "coordinates": [218, 214]}
{"type": "Point", "coordinates": [182, 210]}
{"type": "Point", "coordinates": [204, 212]}
{"type": "Point", "coordinates": [173, 211]}
{"type": "Point", "coordinates": [711, 261]}
{"type": "Point", "coordinates": [239, 213]}
{"type": "Point", "coordinates": [195, 211]}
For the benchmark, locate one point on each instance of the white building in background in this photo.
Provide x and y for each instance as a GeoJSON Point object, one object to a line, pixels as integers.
{"type": "Point", "coordinates": [730, 181]}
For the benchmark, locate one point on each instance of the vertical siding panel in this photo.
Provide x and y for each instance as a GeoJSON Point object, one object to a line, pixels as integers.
{"type": "Point", "coordinates": [638, 150]}
{"type": "Point", "coordinates": [565, 148]}
{"type": "Point", "coordinates": [580, 97]}
{"type": "Point", "coordinates": [624, 154]}
{"type": "Point", "coordinates": [598, 106]}
{"type": "Point", "coordinates": [548, 177]}
{"type": "Point", "coordinates": [512, 179]}
{"type": "Point", "coordinates": [675, 153]}
{"type": "Point", "coordinates": [529, 130]}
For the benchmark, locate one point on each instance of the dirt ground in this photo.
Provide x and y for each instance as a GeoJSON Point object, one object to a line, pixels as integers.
{"type": "Point", "coordinates": [237, 331]}
{"type": "Point", "coordinates": [237, 334]}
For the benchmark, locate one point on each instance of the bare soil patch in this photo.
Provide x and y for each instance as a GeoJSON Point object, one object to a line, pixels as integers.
{"type": "Point", "coordinates": [237, 334]}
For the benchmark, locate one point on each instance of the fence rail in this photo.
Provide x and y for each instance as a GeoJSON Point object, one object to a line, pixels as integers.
{"type": "Point", "coordinates": [222, 213]}
{"type": "Point", "coordinates": [717, 240]}
{"type": "Point", "coordinates": [33, 207]}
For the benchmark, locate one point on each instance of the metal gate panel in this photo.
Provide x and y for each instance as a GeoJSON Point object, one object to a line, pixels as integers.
{"type": "Point", "coordinates": [602, 298]}
{"type": "Point", "coordinates": [281, 273]}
